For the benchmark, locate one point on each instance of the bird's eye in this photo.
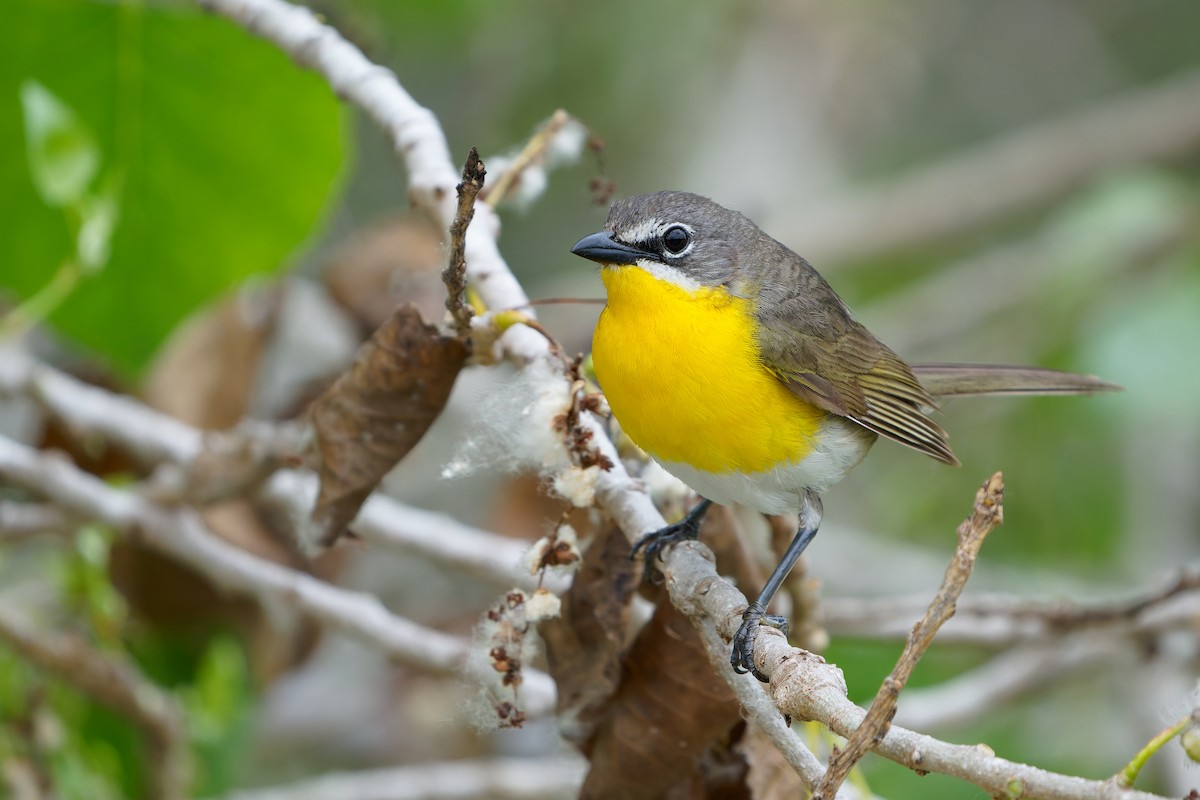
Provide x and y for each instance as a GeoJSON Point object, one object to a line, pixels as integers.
{"type": "Point", "coordinates": [676, 239]}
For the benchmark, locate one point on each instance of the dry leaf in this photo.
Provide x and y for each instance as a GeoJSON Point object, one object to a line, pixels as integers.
{"type": "Point", "coordinates": [399, 259]}
{"type": "Point", "coordinates": [770, 776]}
{"type": "Point", "coordinates": [206, 375]}
{"type": "Point", "coordinates": [725, 535]}
{"type": "Point", "coordinates": [378, 410]}
{"type": "Point", "coordinates": [668, 713]}
{"type": "Point", "coordinates": [584, 645]}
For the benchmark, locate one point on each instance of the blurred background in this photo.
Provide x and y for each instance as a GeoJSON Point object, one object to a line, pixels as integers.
{"type": "Point", "coordinates": [1013, 183]}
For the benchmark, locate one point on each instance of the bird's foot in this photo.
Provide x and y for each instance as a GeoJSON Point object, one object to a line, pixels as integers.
{"type": "Point", "coordinates": [655, 543]}
{"type": "Point", "coordinates": [742, 657]}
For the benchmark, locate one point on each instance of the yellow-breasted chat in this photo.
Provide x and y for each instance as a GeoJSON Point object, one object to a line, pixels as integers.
{"type": "Point", "coordinates": [732, 363]}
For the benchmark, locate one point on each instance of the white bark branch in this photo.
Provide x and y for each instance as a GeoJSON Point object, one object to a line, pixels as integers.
{"type": "Point", "coordinates": [181, 535]}
{"type": "Point", "coordinates": [498, 778]}
{"type": "Point", "coordinates": [23, 520]}
{"type": "Point", "coordinates": [805, 687]}
{"type": "Point", "coordinates": [1006, 677]}
{"type": "Point", "coordinates": [1034, 165]}
{"type": "Point", "coordinates": [758, 706]}
{"type": "Point", "coordinates": [155, 438]}
{"type": "Point", "coordinates": [416, 135]}
{"type": "Point", "coordinates": [1005, 620]}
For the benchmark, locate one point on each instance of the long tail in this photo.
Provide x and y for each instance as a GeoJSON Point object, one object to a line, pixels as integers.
{"type": "Point", "coordinates": [960, 380]}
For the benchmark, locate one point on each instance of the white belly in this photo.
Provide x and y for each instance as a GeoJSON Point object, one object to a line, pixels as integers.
{"type": "Point", "coordinates": [780, 490]}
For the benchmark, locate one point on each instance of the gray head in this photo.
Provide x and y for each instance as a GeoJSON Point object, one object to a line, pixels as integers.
{"type": "Point", "coordinates": [707, 243]}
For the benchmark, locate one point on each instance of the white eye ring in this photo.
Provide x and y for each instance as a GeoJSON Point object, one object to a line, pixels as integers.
{"type": "Point", "coordinates": [670, 237]}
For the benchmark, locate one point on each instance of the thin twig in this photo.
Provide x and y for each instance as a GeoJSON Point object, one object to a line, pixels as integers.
{"type": "Point", "coordinates": [1130, 773]}
{"type": "Point", "coordinates": [805, 688]}
{"type": "Point", "coordinates": [534, 150]}
{"type": "Point", "coordinates": [987, 514]}
{"type": "Point", "coordinates": [117, 685]}
{"type": "Point", "coordinates": [455, 274]}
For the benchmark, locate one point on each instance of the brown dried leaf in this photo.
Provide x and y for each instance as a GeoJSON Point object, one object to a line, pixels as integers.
{"type": "Point", "coordinates": [207, 370]}
{"type": "Point", "coordinates": [724, 533]}
{"type": "Point", "coordinates": [584, 645]}
{"type": "Point", "coordinates": [670, 710]}
{"type": "Point", "coordinates": [397, 260]}
{"type": "Point", "coordinates": [378, 410]}
{"type": "Point", "coordinates": [206, 375]}
{"type": "Point", "coordinates": [524, 510]}
{"type": "Point", "coordinates": [770, 776]}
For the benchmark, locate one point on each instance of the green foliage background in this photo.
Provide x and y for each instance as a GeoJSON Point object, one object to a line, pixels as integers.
{"type": "Point", "coordinates": [220, 177]}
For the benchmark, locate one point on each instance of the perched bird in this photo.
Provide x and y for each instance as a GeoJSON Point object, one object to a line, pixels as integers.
{"type": "Point", "coordinates": [732, 363]}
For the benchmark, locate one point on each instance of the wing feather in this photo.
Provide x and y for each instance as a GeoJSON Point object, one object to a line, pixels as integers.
{"type": "Point", "coordinates": [809, 340]}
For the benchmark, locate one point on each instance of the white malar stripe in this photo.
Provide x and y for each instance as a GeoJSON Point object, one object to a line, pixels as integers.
{"type": "Point", "coordinates": [665, 272]}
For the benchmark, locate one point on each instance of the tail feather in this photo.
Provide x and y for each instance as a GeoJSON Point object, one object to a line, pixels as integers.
{"type": "Point", "coordinates": [960, 380]}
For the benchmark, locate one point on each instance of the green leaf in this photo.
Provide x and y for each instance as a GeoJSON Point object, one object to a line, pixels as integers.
{"type": "Point", "coordinates": [227, 153]}
{"type": "Point", "coordinates": [98, 213]}
{"type": "Point", "coordinates": [63, 156]}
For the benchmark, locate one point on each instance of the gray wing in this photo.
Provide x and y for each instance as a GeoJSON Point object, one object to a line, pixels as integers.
{"type": "Point", "coordinates": [809, 340]}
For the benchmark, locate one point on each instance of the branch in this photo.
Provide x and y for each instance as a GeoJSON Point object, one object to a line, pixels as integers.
{"type": "Point", "coordinates": [804, 687]}
{"type": "Point", "coordinates": [180, 535]}
{"type": "Point", "coordinates": [534, 152]}
{"type": "Point", "coordinates": [155, 438]}
{"type": "Point", "coordinates": [455, 274]}
{"type": "Point", "coordinates": [759, 709]}
{"type": "Point", "coordinates": [498, 778]}
{"type": "Point", "coordinates": [417, 139]}
{"type": "Point", "coordinates": [1004, 620]}
{"type": "Point", "coordinates": [987, 514]}
{"type": "Point", "coordinates": [117, 685]}
{"type": "Point", "coordinates": [22, 520]}
{"type": "Point", "coordinates": [1033, 165]}
{"type": "Point", "coordinates": [386, 522]}
{"type": "Point", "coordinates": [1003, 679]}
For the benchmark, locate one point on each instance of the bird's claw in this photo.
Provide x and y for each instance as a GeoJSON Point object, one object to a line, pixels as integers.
{"type": "Point", "coordinates": [656, 543]}
{"type": "Point", "coordinates": [742, 657]}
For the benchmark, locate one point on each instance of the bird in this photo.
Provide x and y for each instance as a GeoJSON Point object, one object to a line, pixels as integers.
{"type": "Point", "coordinates": [730, 361]}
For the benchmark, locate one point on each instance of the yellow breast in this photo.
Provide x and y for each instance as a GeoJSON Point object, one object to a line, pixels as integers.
{"type": "Point", "coordinates": [683, 376]}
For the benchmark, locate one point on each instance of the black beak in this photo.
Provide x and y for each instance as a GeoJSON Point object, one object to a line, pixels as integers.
{"type": "Point", "coordinates": [603, 248]}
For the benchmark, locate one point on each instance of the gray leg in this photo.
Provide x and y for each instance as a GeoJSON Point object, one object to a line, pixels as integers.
{"type": "Point", "coordinates": [742, 657]}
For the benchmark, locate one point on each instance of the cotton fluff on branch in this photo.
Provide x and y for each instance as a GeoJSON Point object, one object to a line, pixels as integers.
{"type": "Point", "coordinates": [510, 433]}
{"type": "Point", "coordinates": [563, 148]}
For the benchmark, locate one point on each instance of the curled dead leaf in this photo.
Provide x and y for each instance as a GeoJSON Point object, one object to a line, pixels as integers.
{"type": "Point", "coordinates": [378, 410]}
{"type": "Point", "coordinates": [769, 776]}
{"type": "Point", "coordinates": [585, 643]}
{"type": "Point", "coordinates": [670, 712]}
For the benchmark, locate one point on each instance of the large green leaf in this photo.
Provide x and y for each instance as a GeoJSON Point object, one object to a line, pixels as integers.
{"type": "Point", "coordinates": [225, 154]}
